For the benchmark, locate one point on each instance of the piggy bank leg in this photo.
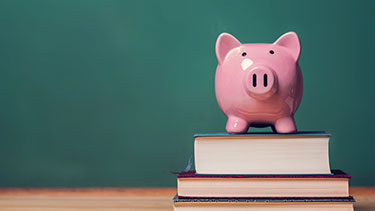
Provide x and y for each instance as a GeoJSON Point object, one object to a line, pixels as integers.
{"type": "Point", "coordinates": [285, 125]}
{"type": "Point", "coordinates": [236, 125]}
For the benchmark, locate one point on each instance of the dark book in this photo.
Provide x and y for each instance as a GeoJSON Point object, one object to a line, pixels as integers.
{"type": "Point", "coordinates": [265, 203]}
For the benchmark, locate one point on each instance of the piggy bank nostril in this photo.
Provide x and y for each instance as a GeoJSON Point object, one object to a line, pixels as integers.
{"type": "Point", "coordinates": [265, 80]}
{"type": "Point", "coordinates": [260, 82]}
{"type": "Point", "coordinates": [254, 80]}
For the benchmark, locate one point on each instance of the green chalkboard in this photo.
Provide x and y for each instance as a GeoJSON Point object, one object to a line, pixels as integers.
{"type": "Point", "coordinates": [110, 93]}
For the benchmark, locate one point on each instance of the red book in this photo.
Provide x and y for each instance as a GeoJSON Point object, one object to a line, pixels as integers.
{"type": "Point", "coordinates": [191, 184]}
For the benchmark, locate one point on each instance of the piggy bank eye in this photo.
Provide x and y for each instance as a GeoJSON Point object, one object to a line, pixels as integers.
{"type": "Point", "coordinates": [244, 54]}
{"type": "Point", "coordinates": [272, 52]}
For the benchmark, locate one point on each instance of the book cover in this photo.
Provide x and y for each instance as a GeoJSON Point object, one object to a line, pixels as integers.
{"type": "Point", "coordinates": [178, 199]}
{"type": "Point", "coordinates": [335, 173]}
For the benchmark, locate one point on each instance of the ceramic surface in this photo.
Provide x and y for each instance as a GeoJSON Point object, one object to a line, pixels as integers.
{"type": "Point", "coordinates": [259, 84]}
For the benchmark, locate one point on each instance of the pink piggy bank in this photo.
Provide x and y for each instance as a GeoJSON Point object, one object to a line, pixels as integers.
{"type": "Point", "coordinates": [259, 84]}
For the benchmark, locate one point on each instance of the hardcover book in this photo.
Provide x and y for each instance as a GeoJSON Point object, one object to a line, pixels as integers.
{"type": "Point", "coordinates": [191, 184]}
{"type": "Point", "coordinates": [262, 153]}
{"type": "Point", "coordinates": [264, 204]}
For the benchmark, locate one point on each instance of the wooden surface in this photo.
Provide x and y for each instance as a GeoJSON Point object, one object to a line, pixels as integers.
{"type": "Point", "coordinates": [119, 199]}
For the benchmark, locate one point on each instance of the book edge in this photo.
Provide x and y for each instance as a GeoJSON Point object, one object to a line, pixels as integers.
{"type": "Point", "coordinates": [312, 133]}
{"type": "Point", "coordinates": [179, 199]}
{"type": "Point", "coordinates": [336, 174]}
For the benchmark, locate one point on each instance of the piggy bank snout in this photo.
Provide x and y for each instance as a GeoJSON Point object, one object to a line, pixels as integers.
{"type": "Point", "coordinates": [261, 82]}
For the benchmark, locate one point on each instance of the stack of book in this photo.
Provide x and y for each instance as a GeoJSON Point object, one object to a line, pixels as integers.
{"type": "Point", "coordinates": [263, 171]}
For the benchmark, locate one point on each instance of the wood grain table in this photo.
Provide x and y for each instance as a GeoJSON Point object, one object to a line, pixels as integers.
{"type": "Point", "coordinates": [57, 199]}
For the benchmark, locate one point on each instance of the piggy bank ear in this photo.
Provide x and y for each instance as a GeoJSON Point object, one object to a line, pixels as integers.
{"type": "Point", "coordinates": [225, 43]}
{"type": "Point", "coordinates": [290, 41]}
